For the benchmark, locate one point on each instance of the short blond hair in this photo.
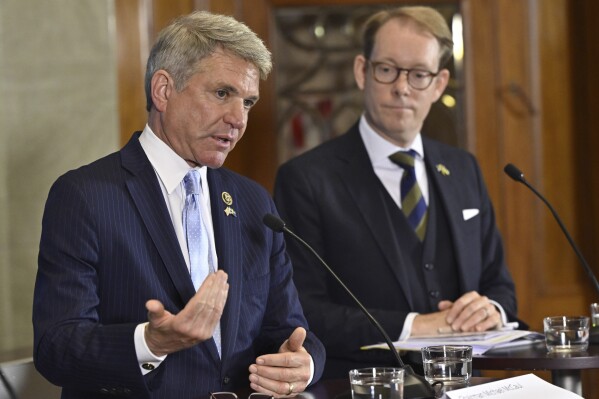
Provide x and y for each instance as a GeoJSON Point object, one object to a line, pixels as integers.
{"type": "Point", "coordinates": [190, 38]}
{"type": "Point", "coordinates": [426, 18]}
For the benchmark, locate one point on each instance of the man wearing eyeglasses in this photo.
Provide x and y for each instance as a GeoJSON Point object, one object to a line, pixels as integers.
{"type": "Point", "coordinates": [403, 220]}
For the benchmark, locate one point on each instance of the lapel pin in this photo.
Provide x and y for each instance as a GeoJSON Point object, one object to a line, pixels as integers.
{"type": "Point", "coordinates": [442, 169]}
{"type": "Point", "coordinates": [228, 200]}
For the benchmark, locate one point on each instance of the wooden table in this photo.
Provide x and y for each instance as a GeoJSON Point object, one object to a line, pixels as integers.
{"type": "Point", "coordinates": [565, 367]}
{"type": "Point", "coordinates": [340, 389]}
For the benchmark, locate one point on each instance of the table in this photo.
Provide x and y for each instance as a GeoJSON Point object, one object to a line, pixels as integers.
{"type": "Point", "coordinates": [565, 367]}
{"type": "Point", "coordinates": [340, 389]}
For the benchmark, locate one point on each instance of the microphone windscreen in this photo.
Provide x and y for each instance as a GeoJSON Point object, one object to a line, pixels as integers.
{"type": "Point", "coordinates": [514, 172]}
{"type": "Point", "coordinates": [273, 222]}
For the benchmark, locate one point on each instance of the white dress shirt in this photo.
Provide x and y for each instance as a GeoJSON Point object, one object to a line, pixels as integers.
{"type": "Point", "coordinates": [170, 169]}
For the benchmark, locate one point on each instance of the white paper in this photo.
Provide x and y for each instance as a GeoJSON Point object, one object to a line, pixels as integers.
{"type": "Point", "coordinates": [522, 387]}
{"type": "Point", "coordinates": [481, 342]}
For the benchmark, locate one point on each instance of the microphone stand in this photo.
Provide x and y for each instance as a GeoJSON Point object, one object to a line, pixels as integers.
{"type": "Point", "coordinates": [415, 386]}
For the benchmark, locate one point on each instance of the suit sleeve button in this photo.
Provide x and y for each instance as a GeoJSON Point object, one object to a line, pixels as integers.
{"type": "Point", "coordinates": [429, 266]}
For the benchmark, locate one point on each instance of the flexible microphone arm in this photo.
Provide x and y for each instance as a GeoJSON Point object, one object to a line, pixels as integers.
{"type": "Point", "coordinates": [276, 224]}
{"type": "Point", "coordinates": [515, 173]}
{"type": "Point", "coordinates": [415, 386]}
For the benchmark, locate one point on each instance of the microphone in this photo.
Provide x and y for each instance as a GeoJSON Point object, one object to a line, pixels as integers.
{"type": "Point", "coordinates": [518, 176]}
{"type": "Point", "coordinates": [415, 386]}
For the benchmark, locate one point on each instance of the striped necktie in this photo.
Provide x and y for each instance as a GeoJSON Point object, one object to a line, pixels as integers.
{"type": "Point", "coordinates": [412, 201]}
{"type": "Point", "coordinates": [198, 244]}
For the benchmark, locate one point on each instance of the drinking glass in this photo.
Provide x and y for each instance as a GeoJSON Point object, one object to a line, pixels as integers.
{"type": "Point", "coordinates": [377, 383]}
{"type": "Point", "coordinates": [450, 364]}
{"type": "Point", "coordinates": [566, 333]}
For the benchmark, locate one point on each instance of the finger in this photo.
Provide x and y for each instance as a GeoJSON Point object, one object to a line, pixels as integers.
{"type": "Point", "coordinates": [290, 367]}
{"type": "Point", "coordinates": [429, 323]}
{"type": "Point", "coordinates": [155, 311]}
{"type": "Point", "coordinates": [471, 314]}
{"type": "Point", "coordinates": [159, 322]}
{"type": "Point", "coordinates": [208, 303]}
{"type": "Point", "coordinates": [267, 380]}
{"type": "Point", "coordinates": [491, 321]}
{"type": "Point", "coordinates": [197, 321]}
{"type": "Point", "coordinates": [459, 305]}
{"type": "Point", "coordinates": [277, 389]}
{"type": "Point", "coordinates": [444, 305]}
{"type": "Point", "coordinates": [467, 319]}
{"type": "Point", "coordinates": [474, 322]}
{"type": "Point", "coordinates": [277, 362]}
{"type": "Point", "coordinates": [295, 341]}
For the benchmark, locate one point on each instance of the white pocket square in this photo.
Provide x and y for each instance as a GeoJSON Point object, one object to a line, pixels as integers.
{"type": "Point", "coordinates": [469, 213]}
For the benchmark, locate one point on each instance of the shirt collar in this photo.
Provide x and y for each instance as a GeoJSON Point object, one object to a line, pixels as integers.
{"type": "Point", "coordinates": [169, 166]}
{"type": "Point", "coordinates": [379, 149]}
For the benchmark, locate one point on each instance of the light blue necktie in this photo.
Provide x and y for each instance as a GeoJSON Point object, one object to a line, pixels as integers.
{"type": "Point", "coordinates": [198, 245]}
{"type": "Point", "coordinates": [412, 201]}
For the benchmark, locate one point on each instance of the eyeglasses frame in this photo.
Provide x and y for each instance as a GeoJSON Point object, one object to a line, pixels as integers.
{"type": "Point", "coordinates": [374, 64]}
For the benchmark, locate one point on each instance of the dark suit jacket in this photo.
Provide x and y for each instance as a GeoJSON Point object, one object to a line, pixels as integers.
{"type": "Point", "coordinates": [331, 197]}
{"type": "Point", "coordinates": [108, 246]}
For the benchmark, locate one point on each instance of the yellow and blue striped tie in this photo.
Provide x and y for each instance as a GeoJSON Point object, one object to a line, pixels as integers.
{"type": "Point", "coordinates": [412, 201]}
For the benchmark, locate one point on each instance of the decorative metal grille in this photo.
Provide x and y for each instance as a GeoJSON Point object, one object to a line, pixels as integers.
{"type": "Point", "coordinates": [317, 97]}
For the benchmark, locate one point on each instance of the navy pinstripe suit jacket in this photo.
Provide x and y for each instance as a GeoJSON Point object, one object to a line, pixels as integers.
{"type": "Point", "coordinates": [108, 246]}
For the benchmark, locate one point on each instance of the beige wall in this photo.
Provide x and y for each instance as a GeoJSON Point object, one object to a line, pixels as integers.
{"type": "Point", "coordinates": [58, 96]}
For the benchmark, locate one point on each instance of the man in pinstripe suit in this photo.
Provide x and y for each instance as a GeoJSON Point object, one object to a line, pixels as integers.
{"type": "Point", "coordinates": [115, 311]}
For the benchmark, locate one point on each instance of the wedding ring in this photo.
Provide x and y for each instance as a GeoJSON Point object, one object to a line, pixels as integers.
{"type": "Point", "coordinates": [290, 391]}
{"type": "Point", "coordinates": [486, 313]}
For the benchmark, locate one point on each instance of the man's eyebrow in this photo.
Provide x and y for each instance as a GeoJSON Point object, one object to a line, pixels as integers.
{"type": "Point", "coordinates": [233, 90]}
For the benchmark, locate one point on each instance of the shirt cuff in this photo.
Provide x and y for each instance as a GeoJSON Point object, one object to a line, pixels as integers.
{"type": "Point", "coordinates": [407, 326]}
{"type": "Point", "coordinates": [504, 322]}
{"type": "Point", "coordinates": [311, 370]}
{"type": "Point", "coordinates": [147, 360]}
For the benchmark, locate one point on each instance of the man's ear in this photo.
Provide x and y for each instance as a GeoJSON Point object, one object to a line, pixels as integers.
{"type": "Point", "coordinates": [360, 70]}
{"type": "Point", "coordinates": [441, 82]}
{"type": "Point", "coordinates": [162, 85]}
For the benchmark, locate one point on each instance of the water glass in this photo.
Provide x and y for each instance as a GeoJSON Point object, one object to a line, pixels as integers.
{"type": "Point", "coordinates": [595, 314]}
{"type": "Point", "coordinates": [450, 364]}
{"type": "Point", "coordinates": [377, 383]}
{"type": "Point", "coordinates": [566, 333]}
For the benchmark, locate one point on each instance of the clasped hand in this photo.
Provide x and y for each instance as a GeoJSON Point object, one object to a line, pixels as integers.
{"type": "Point", "coordinates": [471, 312]}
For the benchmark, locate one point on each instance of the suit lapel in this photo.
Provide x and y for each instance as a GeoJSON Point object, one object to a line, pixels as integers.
{"type": "Point", "coordinates": [229, 248]}
{"type": "Point", "coordinates": [449, 190]}
{"type": "Point", "coordinates": [145, 191]}
{"type": "Point", "coordinates": [367, 191]}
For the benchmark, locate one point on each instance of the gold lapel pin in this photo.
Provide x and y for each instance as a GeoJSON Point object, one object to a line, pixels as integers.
{"type": "Point", "coordinates": [228, 200]}
{"type": "Point", "coordinates": [443, 169]}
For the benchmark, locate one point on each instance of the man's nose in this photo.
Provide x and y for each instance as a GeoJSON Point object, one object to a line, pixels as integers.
{"type": "Point", "coordinates": [236, 115]}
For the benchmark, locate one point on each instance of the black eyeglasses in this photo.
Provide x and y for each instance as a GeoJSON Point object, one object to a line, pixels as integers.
{"type": "Point", "coordinates": [231, 395]}
{"type": "Point", "coordinates": [418, 79]}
